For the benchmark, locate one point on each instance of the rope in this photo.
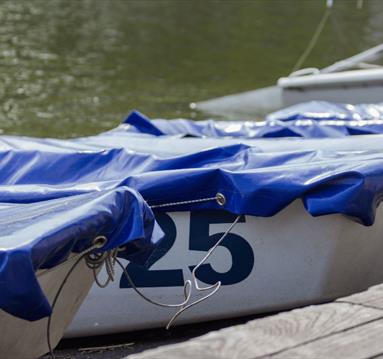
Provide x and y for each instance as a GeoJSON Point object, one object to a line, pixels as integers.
{"type": "Point", "coordinates": [314, 39]}
{"type": "Point", "coordinates": [187, 291]}
{"type": "Point", "coordinates": [216, 286]}
{"type": "Point", "coordinates": [219, 197]}
{"type": "Point", "coordinates": [188, 284]}
{"type": "Point", "coordinates": [98, 242]}
{"type": "Point", "coordinates": [94, 261]}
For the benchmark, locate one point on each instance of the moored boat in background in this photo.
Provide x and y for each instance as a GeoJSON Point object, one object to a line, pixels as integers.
{"type": "Point", "coordinates": [333, 83]}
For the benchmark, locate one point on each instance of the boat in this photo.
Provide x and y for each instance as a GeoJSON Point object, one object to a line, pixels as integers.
{"type": "Point", "coordinates": [257, 217]}
{"type": "Point", "coordinates": [267, 264]}
{"type": "Point", "coordinates": [351, 81]}
{"type": "Point", "coordinates": [287, 251]}
{"type": "Point", "coordinates": [51, 252]}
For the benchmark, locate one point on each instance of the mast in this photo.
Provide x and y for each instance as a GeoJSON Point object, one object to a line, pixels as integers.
{"type": "Point", "coordinates": [368, 55]}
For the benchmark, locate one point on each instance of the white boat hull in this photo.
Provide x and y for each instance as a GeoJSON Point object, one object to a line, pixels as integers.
{"type": "Point", "coordinates": [351, 87]}
{"type": "Point", "coordinates": [356, 94]}
{"type": "Point", "coordinates": [268, 264]}
{"type": "Point", "coordinates": [22, 339]}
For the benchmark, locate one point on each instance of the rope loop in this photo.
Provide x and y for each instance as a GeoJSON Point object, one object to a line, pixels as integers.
{"type": "Point", "coordinates": [94, 261]}
{"type": "Point", "coordinates": [188, 285]}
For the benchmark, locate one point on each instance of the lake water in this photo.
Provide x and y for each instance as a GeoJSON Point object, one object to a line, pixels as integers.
{"type": "Point", "coordinates": [70, 68]}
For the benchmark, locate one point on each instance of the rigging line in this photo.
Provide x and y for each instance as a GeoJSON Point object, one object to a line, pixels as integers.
{"type": "Point", "coordinates": [50, 348]}
{"type": "Point", "coordinates": [98, 243]}
{"type": "Point", "coordinates": [216, 286]}
{"type": "Point", "coordinates": [187, 290]}
{"type": "Point", "coordinates": [219, 197]}
{"type": "Point", "coordinates": [188, 284]}
{"type": "Point", "coordinates": [341, 36]}
{"type": "Point", "coordinates": [302, 59]}
{"type": "Point", "coordinates": [72, 257]}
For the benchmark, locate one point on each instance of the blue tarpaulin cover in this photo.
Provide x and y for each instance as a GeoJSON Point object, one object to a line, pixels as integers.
{"type": "Point", "coordinates": [314, 119]}
{"type": "Point", "coordinates": [57, 195]}
{"type": "Point", "coordinates": [40, 234]}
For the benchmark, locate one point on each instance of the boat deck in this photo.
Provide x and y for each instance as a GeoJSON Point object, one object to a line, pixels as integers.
{"type": "Point", "coordinates": [350, 327]}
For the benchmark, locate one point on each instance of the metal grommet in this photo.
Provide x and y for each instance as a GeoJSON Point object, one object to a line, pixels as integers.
{"type": "Point", "coordinates": [221, 199]}
{"type": "Point", "coordinates": [100, 241]}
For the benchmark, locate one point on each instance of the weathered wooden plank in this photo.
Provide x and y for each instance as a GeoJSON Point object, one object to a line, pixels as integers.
{"type": "Point", "coordinates": [372, 297]}
{"type": "Point", "coordinates": [364, 341]}
{"type": "Point", "coordinates": [270, 335]}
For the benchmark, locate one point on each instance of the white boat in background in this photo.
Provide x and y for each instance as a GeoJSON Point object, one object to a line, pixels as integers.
{"type": "Point", "coordinates": [267, 264]}
{"type": "Point", "coordinates": [350, 81]}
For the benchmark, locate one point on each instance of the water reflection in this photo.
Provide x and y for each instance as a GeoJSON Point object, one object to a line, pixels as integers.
{"type": "Point", "coordinates": [72, 68]}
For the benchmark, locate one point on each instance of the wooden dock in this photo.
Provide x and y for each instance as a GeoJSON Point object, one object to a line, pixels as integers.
{"type": "Point", "coordinates": [350, 327]}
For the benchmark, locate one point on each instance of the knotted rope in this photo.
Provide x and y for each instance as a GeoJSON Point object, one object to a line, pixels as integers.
{"type": "Point", "coordinates": [95, 260]}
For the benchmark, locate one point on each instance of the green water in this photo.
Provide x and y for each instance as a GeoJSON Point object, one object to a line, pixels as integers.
{"type": "Point", "coordinates": [70, 68]}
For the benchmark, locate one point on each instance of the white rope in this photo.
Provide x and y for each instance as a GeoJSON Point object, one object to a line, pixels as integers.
{"type": "Point", "coordinates": [219, 197]}
{"type": "Point", "coordinates": [188, 284]}
{"type": "Point", "coordinates": [215, 286]}
{"type": "Point", "coordinates": [302, 59]}
{"type": "Point", "coordinates": [359, 4]}
{"type": "Point", "coordinates": [94, 261]}
{"type": "Point", "coordinates": [98, 243]}
{"type": "Point", "coordinates": [187, 291]}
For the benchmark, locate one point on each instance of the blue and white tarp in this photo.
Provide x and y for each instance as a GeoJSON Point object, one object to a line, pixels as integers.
{"type": "Point", "coordinates": [314, 119]}
{"type": "Point", "coordinates": [57, 195]}
{"type": "Point", "coordinates": [40, 234]}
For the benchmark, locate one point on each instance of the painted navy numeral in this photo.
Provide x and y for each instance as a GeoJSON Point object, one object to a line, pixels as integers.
{"type": "Point", "coordinates": [241, 251]}
{"type": "Point", "coordinates": [144, 277]}
{"type": "Point", "coordinates": [199, 240]}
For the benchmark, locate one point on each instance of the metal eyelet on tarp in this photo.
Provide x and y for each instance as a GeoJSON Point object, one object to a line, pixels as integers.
{"type": "Point", "coordinates": [221, 199]}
